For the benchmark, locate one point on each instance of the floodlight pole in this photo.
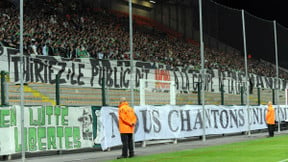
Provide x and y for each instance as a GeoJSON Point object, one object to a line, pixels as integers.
{"type": "Point", "coordinates": [246, 71]}
{"type": "Point", "coordinates": [202, 71]}
{"type": "Point", "coordinates": [21, 82]}
{"type": "Point", "coordinates": [131, 59]}
{"type": "Point", "coordinates": [132, 80]}
{"type": "Point", "coordinates": [277, 88]}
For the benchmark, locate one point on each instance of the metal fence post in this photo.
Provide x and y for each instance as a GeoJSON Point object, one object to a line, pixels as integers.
{"type": "Point", "coordinates": [222, 93]}
{"type": "Point", "coordinates": [103, 89]}
{"type": "Point", "coordinates": [199, 93]}
{"type": "Point", "coordinates": [242, 95]}
{"type": "Point", "coordinates": [57, 90]}
{"type": "Point", "coordinates": [3, 88]}
{"type": "Point", "coordinates": [259, 96]}
{"type": "Point", "coordinates": [273, 96]}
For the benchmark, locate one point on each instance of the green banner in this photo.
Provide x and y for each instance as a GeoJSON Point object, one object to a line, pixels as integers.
{"type": "Point", "coordinates": [46, 128]}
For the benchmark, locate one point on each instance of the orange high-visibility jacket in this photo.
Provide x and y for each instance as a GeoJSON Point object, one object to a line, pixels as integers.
{"type": "Point", "coordinates": [127, 118]}
{"type": "Point", "coordinates": [270, 116]}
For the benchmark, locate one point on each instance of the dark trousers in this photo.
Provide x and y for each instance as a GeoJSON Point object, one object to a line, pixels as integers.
{"type": "Point", "coordinates": [271, 130]}
{"type": "Point", "coordinates": [127, 142]}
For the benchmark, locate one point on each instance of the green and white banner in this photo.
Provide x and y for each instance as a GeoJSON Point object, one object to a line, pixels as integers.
{"type": "Point", "coordinates": [45, 128]}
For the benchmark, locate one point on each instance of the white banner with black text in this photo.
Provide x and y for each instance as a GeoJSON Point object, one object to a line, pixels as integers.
{"type": "Point", "coordinates": [173, 122]}
{"type": "Point", "coordinates": [88, 72]}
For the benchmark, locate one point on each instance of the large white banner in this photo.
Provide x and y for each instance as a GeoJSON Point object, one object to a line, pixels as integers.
{"type": "Point", "coordinates": [172, 122]}
{"type": "Point", "coordinates": [45, 128]}
{"type": "Point", "coordinates": [88, 72]}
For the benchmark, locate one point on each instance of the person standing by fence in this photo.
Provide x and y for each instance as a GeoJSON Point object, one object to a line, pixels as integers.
{"type": "Point", "coordinates": [127, 122]}
{"type": "Point", "coordinates": [270, 118]}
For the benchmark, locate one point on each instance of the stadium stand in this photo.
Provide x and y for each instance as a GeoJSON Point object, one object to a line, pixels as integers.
{"type": "Point", "coordinates": [72, 31]}
{"type": "Point", "coordinates": [103, 35]}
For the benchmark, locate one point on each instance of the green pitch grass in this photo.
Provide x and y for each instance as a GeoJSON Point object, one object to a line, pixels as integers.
{"type": "Point", "coordinates": [261, 150]}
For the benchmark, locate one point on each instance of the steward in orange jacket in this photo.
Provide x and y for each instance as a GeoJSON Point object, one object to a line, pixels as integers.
{"type": "Point", "coordinates": [270, 119]}
{"type": "Point", "coordinates": [127, 121]}
{"type": "Point", "coordinates": [127, 118]}
{"type": "Point", "coordinates": [270, 116]}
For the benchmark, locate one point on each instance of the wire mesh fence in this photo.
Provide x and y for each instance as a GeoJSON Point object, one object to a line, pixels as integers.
{"type": "Point", "coordinates": [45, 94]}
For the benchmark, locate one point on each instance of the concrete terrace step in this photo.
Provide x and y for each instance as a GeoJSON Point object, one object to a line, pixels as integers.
{"type": "Point", "coordinates": [39, 93]}
{"type": "Point", "coordinates": [28, 102]}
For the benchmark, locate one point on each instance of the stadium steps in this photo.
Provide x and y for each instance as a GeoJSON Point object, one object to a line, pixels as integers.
{"type": "Point", "coordinates": [31, 97]}
{"type": "Point", "coordinates": [71, 95]}
{"type": "Point", "coordinates": [44, 94]}
{"type": "Point", "coordinates": [187, 99]}
{"type": "Point", "coordinates": [82, 96]}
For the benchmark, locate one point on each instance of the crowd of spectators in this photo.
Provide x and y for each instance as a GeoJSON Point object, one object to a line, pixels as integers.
{"type": "Point", "coordinates": [76, 31]}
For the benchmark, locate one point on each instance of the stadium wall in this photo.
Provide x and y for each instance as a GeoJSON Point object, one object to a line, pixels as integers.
{"type": "Point", "coordinates": [176, 19]}
{"type": "Point", "coordinates": [138, 9]}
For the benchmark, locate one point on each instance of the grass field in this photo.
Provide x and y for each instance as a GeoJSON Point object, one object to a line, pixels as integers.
{"type": "Point", "coordinates": [261, 150]}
